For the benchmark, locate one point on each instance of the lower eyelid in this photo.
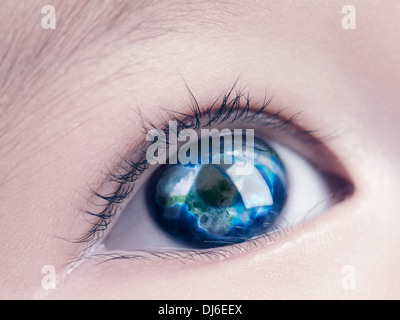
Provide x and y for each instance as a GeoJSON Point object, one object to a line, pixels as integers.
{"type": "Point", "coordinates": [275, 240]}
{"type": "Point", "coordinates": [191, 255]}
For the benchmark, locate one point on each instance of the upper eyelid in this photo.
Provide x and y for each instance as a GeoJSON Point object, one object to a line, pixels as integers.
{"type": "Point", "coordinates": [129, 170]}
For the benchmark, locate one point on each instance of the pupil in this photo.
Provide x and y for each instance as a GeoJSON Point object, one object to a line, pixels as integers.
{"type": "Point", "coordinates": [215, 188]}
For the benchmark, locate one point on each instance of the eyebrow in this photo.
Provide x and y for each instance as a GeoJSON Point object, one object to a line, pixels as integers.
{"type": "Point", "coordinates": [31, 58]}
{"type": "Point", "coordinates": [79, 25]}
{"type": "Point", "coordinates": [34, 61]}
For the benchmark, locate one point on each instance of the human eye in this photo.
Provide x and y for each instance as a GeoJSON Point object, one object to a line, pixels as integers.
{"type": "Point", "coordinates": [218, 180]}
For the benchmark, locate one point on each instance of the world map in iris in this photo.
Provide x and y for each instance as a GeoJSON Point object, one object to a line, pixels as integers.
{"type": "Point", "coordinates": [211, 196]}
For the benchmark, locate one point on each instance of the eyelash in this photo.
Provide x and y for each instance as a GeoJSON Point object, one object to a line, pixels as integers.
{"type": "Point", "coordinates": [124, 177]}
{"type": "Point", "coordinates": [183, 256]}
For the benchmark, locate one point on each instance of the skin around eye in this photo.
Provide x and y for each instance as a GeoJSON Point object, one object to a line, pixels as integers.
{"type": "Point", "coordinates": [70, 102]}
{"type": "Point", "coordinates": [177, 206]}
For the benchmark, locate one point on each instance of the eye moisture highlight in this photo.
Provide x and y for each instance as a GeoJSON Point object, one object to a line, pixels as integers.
{"type": "Point", "coordinates": [208, 148]}
{"type": "Point", "coordinates": [235, 184]}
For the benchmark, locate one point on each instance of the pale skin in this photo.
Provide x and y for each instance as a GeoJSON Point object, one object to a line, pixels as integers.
{"type": "Point", "coordinates": [69, 108]}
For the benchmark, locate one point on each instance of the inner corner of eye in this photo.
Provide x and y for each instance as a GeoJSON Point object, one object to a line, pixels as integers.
{"type": "Point", "coordinates": [220, 189]}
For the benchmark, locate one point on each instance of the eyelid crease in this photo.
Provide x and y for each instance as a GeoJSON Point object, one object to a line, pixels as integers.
{"type": "Point", "coordinates": [129, 170]}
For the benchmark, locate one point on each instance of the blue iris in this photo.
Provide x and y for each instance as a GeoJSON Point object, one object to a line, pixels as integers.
{"type": "Point", "coordinates": [206, 205]}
